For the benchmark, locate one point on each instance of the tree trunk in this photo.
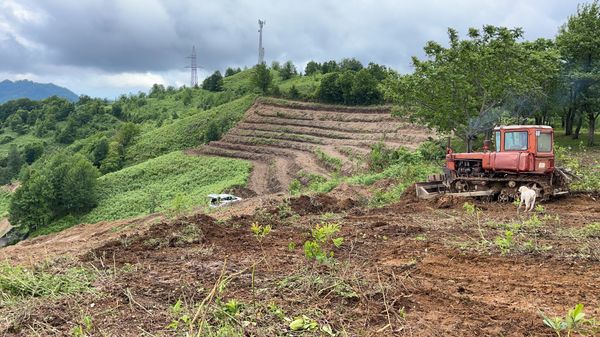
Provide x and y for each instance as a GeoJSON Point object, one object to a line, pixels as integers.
{"type": "Point", "coordinates": [592, 127]}
{"type": "Point", "coordinates": [572, 111]}
{"type": "Point", "coordinates": [469, 142]}
{"type": "Point", "coordinates": [579, 119]}
{"type": "Point", "coordinates": [569, 122]}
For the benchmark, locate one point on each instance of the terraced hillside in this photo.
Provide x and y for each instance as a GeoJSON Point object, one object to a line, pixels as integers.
{"type": "Point", "coordinates": [286, 140]}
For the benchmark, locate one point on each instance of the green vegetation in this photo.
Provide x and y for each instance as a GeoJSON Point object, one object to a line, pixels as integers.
{"type": "Point", "coordinates": [4, 202]}
{"type": "Point", "coordinates": [213, 82]}
{"type": "Point", "coordinates": [483, 70]}
{"type": "Point", "coordinates": [262, 78]}
{"type": "Point", "coordinates": [57, 186]}
{"type": "Point", "coordinates": [132, 191]}
{"type": "Point", "coordinates": [573, 322]}
{"type": "Point", "coordinates": [188, 132]}
{"type": "Point", "coordinates": [579, 46]}
{"type": "Point", "coordinates": [171, 183]}
{"type": "Point", "coordinates": [18, 283]}
{"type": "Point", "coordinates": [400, 167]}
{"type": "Point", "coordinates": [498, 79]}
{"type": "Point", "coordinates": [322, 237]}
{"type": "Point", "coordinates": [332, 163]}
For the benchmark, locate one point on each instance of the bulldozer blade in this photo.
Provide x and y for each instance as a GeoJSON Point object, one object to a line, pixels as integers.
{"type": "Point", "coordinates": [430, 189]}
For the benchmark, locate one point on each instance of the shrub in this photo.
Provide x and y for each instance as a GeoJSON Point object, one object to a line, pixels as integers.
{"type": "Point", "coordinates": [322, 237]}
{"type": "Point", "coordinates": [574, 321]}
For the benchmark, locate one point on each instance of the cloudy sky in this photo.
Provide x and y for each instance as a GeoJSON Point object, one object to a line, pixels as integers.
{"type": "Point", "coordinates": [108, 47]}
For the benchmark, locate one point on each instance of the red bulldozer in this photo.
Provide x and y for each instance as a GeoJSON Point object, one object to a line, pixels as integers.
{"type": "Point", "coordinates": [523, 155]}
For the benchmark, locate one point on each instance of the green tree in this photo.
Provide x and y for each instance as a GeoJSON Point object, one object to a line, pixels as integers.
{"type": "Point", "coordinates": [79, 186]}
{"type": "Point", "coordinates": [127, 133]}
{"type": "Point", "coordinates": [231, 71]}
{"type": "Point", "coordinates": [100, 151]}
{"type": "Point", "coordinates": [213, 132]}
{"type": "Point", "coordinates": [329, 90]}
{"type": "Point", "coordinates": [329, 67]}
{"type": "Point", "coordinates": [30, 205]}
{"type": "Point", "coordinates": [116, 110]}
{"type": "Point", "coordinates": [379, 72]}
{"type": "Point", "coordinates": [157, 91]}
{"type": "Point", "coordinates": [351, 64]}
{"type": "Point", "coordinates": [262, 78]}
{"type": "Point", "coordinates": [213, 82]}
{"type": "Point", "coordinates": [542, 100]}
{"type": "Point", "coordinates": [460, 87]}
{"type": "Point", "coordinates": [32, 151]}
{"type": "Point", "coordinates": [365, 89]}
{"type": "Point", "coordinates": [14, 161]}
{"type": "Point", "coordinates": [53, 187]}
{"type": "Point", "coordinates": [344, 83]}
{"type": "Point", "coordinates": [312, 68]}
{"type": "Point", "coordinates": [294, 93]}
{"type": "Point", "coordinates": [579, 43]}
{"type": "Point", "coordinates": [288, 70]}
{"type": "Point", "coordinates": [186, 96]}
{"type": "Point", "coordinates": [113, 160]}
{"type": "Point", "coordinates": [67, 134]}
{"type": "Point", "coordinates": [16, 123]}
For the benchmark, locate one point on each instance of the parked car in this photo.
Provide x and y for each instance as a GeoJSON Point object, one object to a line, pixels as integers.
{"type": "Point", "coordinates": [217, 200]}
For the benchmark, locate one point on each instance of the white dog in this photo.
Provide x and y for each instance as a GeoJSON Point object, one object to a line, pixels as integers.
{"type": "Point", "coordinates": [528, 196]}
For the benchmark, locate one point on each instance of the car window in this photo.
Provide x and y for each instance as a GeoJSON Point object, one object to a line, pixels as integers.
{"type": "Point", "coordinates": [515, 141]}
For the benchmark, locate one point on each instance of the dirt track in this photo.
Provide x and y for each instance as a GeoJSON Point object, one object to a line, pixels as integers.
{"type": "Point", "coordinates": [281, 139]}
{"type": "Point", "coordinates": [424, 259]}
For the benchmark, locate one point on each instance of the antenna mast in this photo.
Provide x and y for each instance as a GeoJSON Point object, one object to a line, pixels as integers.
{"type": "Point", "coordinates": [261, 50]}
{"type": "Point", "coordinates": [194, 67]}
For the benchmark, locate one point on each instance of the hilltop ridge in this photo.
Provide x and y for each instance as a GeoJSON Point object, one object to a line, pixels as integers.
{"type": "Point", "coordinates": [10, 90]}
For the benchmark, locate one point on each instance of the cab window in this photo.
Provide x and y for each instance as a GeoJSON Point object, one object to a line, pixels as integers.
{"type": "Point", "coordinates": [515, 141]}
{"type": "Point", "coordinates": [497, 143]}
{"type": "Point", "coordinates": [544, 142]}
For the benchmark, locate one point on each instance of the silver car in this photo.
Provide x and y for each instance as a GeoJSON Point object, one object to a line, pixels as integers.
{"type": "Point", "coordinates": [217, 200]}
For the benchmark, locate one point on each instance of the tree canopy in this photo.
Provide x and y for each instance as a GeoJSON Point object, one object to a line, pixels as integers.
{"type": "Point", "coordinates": [58, 185]}
{"type": "Point", "coordinates": [579, 43]}
{"type": "Point", "coordinates": [460, 88]}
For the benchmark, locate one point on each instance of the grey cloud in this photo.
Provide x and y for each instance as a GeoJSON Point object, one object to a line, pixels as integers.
{"type": "Point", "coordinates": [118, 36]}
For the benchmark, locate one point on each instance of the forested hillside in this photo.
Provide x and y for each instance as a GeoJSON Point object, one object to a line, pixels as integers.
{"type": "Point", "coordinates": [490, 77]}
{"type": "Point", "coordinates": [67, 155]}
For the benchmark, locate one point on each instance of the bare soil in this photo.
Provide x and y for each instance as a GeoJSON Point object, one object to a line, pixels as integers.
{"type": "Point", "coordinates": [281, 138]}
{"type": "Point", "coordinates": [414, 268]}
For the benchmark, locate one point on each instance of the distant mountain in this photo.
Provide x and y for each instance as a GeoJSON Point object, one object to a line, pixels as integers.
{"type": "Point", "coordinates": [27, 89]}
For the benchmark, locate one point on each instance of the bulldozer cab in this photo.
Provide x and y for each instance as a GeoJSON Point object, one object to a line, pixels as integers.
{"type": "Point", "coordinates": [535, 139]}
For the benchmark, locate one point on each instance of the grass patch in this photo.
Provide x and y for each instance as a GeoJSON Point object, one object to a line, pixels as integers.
{"type": "Point", "coordinates": [589, 231]}
{"type": "Point", "coordinates": [19, 283]}
{"type": "Point", "coordinates": [306, 85]}
{"type": "Point", "coordinates": [57, 226]}
{"type": "Point", "coordinates": [330, 162]}
{"type": "Point", "coordinates": [4, 202]}
{"type": "Point", "coordinates": [138, 189]}
{"type": "Point", "coordinates": [187, 132]}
